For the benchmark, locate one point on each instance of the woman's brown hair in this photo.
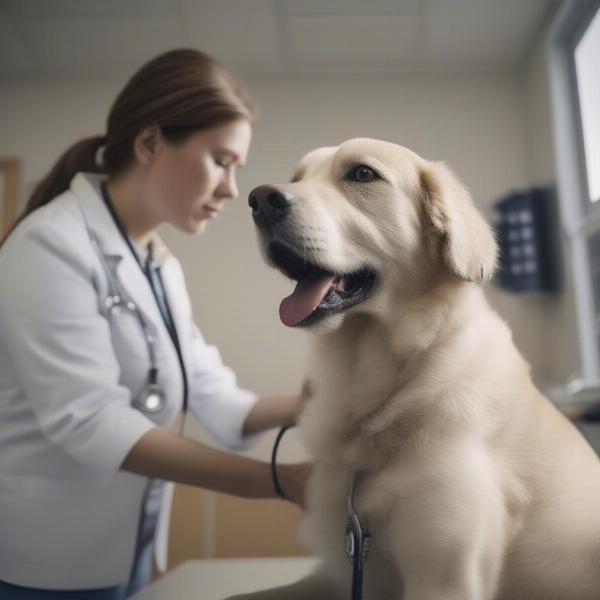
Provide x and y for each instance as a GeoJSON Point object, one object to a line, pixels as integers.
{"type": "Point", "coordinates": [180, 91]}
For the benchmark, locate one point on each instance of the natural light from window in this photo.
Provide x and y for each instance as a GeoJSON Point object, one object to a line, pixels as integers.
{"type": "Point", "coordinates": [587, 64]}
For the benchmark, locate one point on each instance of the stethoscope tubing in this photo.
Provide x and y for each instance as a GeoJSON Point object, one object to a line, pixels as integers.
{"type": "Point", "coordinates": [118, 298]}
{"type": "Point", "coordinates": [152, 398]}
{"type": "Point", "coordinates": [358, 540]}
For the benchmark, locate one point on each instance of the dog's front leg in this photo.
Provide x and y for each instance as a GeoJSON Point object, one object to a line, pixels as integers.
{"type": "Point", "coordinates": [446, 533]}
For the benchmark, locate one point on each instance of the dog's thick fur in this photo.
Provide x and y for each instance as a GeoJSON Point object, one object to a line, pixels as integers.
{"type": "Point", "coordinates": [474, 486]}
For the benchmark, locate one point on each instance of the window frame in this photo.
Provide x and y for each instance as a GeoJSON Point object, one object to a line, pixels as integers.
{"type": "Point", "coordinates": [580, 216]}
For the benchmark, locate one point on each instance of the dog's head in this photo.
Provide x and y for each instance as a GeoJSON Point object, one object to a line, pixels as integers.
{"type": "Point", "coordinates": [365, 222]}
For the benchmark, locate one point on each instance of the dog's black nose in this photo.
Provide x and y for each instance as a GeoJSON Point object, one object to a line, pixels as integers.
{"type": "Point", "coordinates": [269, 203]}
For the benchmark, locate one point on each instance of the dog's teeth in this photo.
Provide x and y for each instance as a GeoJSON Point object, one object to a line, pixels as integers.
{"type": "Point", "coordinates": [340, 284]}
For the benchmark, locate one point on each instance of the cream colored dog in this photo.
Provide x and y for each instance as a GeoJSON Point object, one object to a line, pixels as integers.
{"type": "Point", "coordinates": [473, 485]}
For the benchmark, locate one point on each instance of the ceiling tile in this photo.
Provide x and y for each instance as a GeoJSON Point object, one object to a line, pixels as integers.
{"type": "Point", "coordinates": [351, 42]}
{"type": "Point", "coordinates": [480, 33]}
{"type": "Point", "coordinates": [60, 9]}
{"type": "Point", "coordinates": [244, 35]}
{"type": "Point", "coordinates": [349, 7]}
{"type": "Point", "coordinates": [101, 46]}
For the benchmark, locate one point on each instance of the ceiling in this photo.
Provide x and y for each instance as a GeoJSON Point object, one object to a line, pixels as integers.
{"type": "Point", "coordinates": [54, 38]}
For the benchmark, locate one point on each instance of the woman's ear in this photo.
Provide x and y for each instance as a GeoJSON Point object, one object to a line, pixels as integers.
{"type": "Point", "coordinates": [468, 247]}
{"type": "Point", "coordinates": [145, 144]}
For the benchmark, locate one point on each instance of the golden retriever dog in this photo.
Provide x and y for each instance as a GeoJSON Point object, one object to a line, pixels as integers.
{"type": "Point", "coordinates": [473, 485]}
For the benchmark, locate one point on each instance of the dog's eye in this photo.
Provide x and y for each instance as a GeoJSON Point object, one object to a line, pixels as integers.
{"type": "Point", "coordinates": [362, 173]}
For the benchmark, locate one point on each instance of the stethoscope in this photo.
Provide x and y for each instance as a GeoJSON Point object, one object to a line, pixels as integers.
{"type": "Point", "coordinates": [357, 536]}
{"type": "Point", "coordinates": [358, 540]}
{"type": "Point", "coordinates": [152, 399]}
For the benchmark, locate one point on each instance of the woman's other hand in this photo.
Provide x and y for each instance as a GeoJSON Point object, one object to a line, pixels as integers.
{"type": "Point", "coordinates": [293, 478]}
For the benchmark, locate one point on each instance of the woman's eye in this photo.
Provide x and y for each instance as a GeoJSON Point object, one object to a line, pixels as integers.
{"type": "Point", "coordinates": [362, 173]}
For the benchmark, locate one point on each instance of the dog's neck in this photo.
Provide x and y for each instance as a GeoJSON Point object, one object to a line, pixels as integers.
{"type": "Point", "coordinates": [377, 367]}
{"type": "Point", "coordinates": [417, 324]}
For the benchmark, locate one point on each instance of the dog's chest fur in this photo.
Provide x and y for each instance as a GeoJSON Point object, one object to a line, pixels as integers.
{"type": "Point", "coordinates": [367, 413]}
{"type": "Point", "coordinates": [355, 382]}
{"type": "Point", "coordinates": [334, 428]}
{"type": "Point", "coordinates": [369, 403]}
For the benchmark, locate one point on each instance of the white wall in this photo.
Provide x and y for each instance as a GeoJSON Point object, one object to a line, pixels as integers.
{"type": "Point", "coordinates": [479, 124]}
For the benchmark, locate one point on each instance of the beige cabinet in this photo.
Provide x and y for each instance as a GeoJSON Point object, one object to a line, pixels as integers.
{"type": "Point", "coordinates": [10, 169]}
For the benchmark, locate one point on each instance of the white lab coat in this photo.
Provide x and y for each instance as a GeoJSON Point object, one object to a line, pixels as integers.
{"type": "Point", "coordinates": [68, 515]}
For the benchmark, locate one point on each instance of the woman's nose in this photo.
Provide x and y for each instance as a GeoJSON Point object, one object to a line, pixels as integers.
{"type": "Point", "coordinates": [228, 187]}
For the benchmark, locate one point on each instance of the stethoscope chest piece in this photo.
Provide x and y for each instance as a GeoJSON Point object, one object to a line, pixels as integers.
{"type": "Point", "coordinates": [357, 541]}
{"type": "Point", "coordinates": [152, 400]}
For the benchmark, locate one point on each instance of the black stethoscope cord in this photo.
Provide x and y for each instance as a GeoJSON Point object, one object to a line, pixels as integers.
{"type": "Point", "coordinates": [358, 540]}
{"type": "Point", "coordinates": [274, 478]}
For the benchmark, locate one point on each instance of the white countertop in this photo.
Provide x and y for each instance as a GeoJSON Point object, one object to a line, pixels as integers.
{"type": "Point", "coordinates": [220, 578]}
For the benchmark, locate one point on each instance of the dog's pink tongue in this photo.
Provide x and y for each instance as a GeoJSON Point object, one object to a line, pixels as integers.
{"type": "Point", "coordinates": [305, 298]}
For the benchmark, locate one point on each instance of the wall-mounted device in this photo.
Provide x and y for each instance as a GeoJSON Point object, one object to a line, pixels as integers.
{"type": "Point", "coordinates": [527, 242]}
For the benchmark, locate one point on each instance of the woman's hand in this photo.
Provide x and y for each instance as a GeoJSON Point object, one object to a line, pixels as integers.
{"type": "Point", "coordinates": [298, 402]}
{"type": "Point", "coordinates": [292, 479]}
{"type": "Point", "coordinates": [276, 411]}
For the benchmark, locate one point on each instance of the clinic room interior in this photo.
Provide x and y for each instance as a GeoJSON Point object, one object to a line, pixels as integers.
{"type": "Point", "coordinates": [491, 88]}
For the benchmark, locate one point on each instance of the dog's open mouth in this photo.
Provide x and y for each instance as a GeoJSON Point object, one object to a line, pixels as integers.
{"type": "Point", "coordinates": [318, 292]}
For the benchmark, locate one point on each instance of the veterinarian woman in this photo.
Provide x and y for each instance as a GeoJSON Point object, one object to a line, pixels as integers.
{"type": "Point", "coordinates": [98, 350]}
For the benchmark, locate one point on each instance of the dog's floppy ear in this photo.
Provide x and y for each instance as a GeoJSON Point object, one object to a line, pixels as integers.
{"type": "Point", "coordinates": [468, 246]}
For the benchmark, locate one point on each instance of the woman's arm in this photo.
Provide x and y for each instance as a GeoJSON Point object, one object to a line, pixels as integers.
{"type": "Point", "coordinates": [162, 454]}
{"type": "Point", "coordinates": [269, 412]}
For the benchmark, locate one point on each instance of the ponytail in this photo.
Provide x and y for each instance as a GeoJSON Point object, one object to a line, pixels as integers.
{"type": "Point", "coordinates": [81, 156]}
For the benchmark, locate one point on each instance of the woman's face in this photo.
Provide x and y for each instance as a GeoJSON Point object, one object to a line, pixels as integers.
{"type": "Point", "coordinates": [187, 184]}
